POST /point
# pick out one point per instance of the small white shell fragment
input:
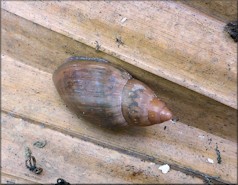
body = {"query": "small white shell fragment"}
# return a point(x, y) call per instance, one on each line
point(174, 120)
point(210, 160)
point(123, 20)
point(164, 168)
point(201, 136)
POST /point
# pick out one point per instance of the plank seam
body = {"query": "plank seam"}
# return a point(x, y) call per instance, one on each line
point(189, 83)
point(136, 154)
point(13, 176)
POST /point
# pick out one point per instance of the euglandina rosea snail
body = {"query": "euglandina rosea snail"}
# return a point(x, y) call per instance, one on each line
point(105, 94)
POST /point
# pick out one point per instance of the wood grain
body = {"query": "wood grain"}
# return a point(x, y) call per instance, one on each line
point(181, 52)
point(21, 41)
point(219, 9)
point(39, 102)
point(176, 43)
point(75, 160)
point(13, 179)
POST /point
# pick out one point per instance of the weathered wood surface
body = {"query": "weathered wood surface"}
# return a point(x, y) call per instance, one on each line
point(32, 109)
point(166, 38)
point(75, 160)
point(219, 9)
point(34, 98)
point(21, 41)
point(13, 179)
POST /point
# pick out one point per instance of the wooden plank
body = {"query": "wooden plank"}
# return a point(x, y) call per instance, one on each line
point(12, 179)
point(223, 10)
point(21, 41)
point(33, 97)
point(75, 160)
point(176, 43)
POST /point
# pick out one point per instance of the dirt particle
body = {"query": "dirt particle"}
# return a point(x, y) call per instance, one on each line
point(42, 125)
point(135, 173)
point(98, 46)
point(209, 140)
point(209, 160)
point(164, 168)
point(27, 152)
point(10, 182)
point(214, 60)
point(232, 29)
point(62, 182)
point(218, 155)
point(123, 20)
point(229, 67)
point(40, 144)
point(119, 41)
point(174, 120)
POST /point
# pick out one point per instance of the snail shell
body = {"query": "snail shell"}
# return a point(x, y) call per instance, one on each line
point(105, 94)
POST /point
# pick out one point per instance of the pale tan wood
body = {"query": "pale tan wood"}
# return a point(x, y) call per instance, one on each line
point(21, 41)
point(75, 160)
point(223, 10)
point(29, 93)
point(166, 38)
point(34, 98)
point(12, 179)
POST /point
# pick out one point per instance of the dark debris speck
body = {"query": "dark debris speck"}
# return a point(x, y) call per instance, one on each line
point(232, 29)
point(218, 155)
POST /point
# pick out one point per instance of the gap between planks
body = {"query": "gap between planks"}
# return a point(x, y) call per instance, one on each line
point(7, 178)
point(187, 47)
point(21, 41)
point(75, 160)
point(45, 107)
point(141, 156)
point(225, 11)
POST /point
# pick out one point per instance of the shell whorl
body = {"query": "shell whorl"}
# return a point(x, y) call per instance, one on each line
point(101, 92)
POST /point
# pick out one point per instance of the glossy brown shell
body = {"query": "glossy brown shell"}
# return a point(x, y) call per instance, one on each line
point(103, 93)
